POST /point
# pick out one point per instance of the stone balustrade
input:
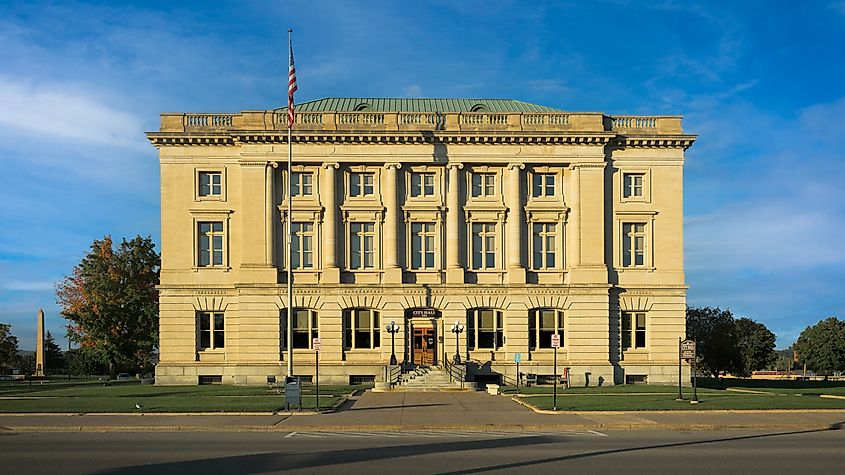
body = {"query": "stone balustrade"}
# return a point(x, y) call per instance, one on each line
point(422, 121)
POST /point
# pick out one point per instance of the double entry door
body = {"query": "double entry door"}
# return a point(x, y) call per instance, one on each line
point(425, 343)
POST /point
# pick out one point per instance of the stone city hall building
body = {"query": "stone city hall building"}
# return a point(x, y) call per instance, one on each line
point(519, 221)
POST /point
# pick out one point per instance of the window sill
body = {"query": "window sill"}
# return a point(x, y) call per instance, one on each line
point(212, 198)
point(210, 268)
point(636, 269)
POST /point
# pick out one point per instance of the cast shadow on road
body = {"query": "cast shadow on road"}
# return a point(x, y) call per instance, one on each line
point(277, 461)
point(598, 453)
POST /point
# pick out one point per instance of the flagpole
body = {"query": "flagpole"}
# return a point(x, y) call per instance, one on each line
point(289, 220)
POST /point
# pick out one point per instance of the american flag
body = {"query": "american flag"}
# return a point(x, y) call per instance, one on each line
point(291, 88)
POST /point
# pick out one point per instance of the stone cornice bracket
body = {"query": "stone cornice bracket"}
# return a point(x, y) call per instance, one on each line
point(684, 141)
point(455, 164)
point(392, 165)
point(520, 166)
point(331, 165)
point(587, 165)
point(252, 163)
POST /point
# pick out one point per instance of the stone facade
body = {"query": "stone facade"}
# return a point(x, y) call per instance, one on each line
point(518, 222)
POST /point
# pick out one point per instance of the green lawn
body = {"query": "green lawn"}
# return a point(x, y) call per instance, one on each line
point(711, 394)
point(122, 397)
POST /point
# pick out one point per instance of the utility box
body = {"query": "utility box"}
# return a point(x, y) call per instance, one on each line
point(293, 392)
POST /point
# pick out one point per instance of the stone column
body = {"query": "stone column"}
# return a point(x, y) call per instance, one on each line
point(513, 198)
point(391, 235)
point(454, 270)
point(328, 194)
point(270, 214)
point(573, 199)
point(40, 355)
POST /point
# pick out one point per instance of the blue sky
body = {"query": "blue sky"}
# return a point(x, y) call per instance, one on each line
point(761, 83)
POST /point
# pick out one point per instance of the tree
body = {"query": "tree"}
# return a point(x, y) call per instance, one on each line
point(112, 301)
point(717, 344)
point(85, 360)
point(822, 346)
point(756, 346)
point(53, 354)
point(8, 348)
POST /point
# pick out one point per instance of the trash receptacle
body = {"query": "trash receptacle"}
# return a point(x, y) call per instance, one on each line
point(293, 392)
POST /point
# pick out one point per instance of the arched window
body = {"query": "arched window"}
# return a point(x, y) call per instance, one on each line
point(361, 329)
point(485, 329)
point(542, 324)
point(305, 328)
point(478, 108)
point(363, 107)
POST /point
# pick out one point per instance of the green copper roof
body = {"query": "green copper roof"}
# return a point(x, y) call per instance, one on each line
point(351, 104)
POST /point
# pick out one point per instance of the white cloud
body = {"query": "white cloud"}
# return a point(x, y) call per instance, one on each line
point(414, 90)
point(65, 112)
point(28, 286)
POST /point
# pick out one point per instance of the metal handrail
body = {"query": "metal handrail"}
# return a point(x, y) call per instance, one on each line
point(393, 373)
point(456, 372)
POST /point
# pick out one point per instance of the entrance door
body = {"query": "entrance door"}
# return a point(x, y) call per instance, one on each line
point(424, 342)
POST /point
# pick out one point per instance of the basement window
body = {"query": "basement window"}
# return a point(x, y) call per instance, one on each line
point(210, 379)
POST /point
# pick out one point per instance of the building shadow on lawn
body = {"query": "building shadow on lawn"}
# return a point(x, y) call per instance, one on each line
point(277, 461)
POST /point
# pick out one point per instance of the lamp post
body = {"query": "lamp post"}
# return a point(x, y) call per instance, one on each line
point(393, 329)
point(457, 329)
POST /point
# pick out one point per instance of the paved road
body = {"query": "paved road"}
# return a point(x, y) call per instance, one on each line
point(462, 452)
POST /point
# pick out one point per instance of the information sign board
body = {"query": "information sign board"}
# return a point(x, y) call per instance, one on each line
point(316, 344)
point(688, 349)
point(555, 341)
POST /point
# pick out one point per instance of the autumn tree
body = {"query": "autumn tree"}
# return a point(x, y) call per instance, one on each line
point(111, 300)
point(822, 346)
point(717, 341)
point(8, 349)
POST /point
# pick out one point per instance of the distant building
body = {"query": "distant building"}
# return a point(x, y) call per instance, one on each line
point(517, 220)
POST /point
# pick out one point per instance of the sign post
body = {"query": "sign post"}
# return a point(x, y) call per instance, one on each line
point(318, 345)
point(517, 358)
point(680, 372)
point(555, 345)
point(688, 353)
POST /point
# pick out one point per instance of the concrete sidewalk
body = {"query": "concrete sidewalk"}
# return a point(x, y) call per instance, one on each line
point(444, 410)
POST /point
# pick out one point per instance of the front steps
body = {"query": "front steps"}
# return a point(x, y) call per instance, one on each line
point(428, 379)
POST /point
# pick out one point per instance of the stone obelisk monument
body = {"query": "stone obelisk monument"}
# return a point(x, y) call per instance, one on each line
point(39, 345)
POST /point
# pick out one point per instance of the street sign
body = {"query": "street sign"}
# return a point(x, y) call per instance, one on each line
point(688, 349)
point(316, 344)
point(517, 358)
point(555, 341)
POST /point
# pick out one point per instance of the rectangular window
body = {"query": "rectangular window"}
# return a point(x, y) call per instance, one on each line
point(633, 185)
point(361, 184)
point(302, 245)
point(544, 243)
point(211, 183)
point(483, 184)
point(422, 184)
point(304, 328)
point(633, 245)
point(361, 329)
point(485, 329)
point(210, 245)
point(542, 324)
point(633, 330)
point(422, 245)
point(483, 245)
point(211, 332)
point(543, 185)
point(361, 245)
point(301, 184)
